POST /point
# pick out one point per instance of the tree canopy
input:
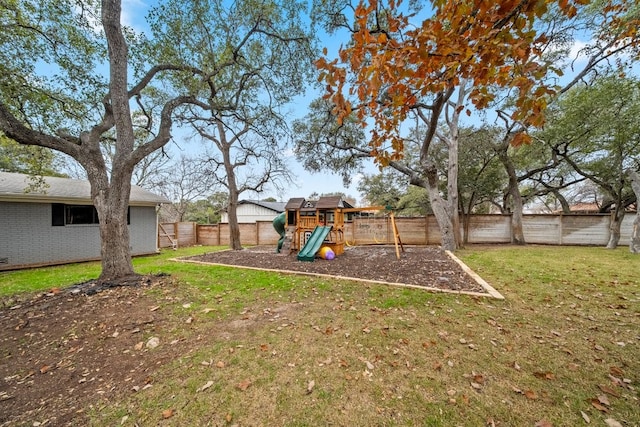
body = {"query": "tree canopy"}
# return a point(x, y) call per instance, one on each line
point(391, 66)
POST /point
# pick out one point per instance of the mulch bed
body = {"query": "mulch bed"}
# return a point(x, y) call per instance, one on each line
point(418, 266)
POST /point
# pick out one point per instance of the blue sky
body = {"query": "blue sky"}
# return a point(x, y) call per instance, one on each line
point(133, 15)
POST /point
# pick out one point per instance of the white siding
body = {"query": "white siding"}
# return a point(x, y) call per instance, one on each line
point(250, 213)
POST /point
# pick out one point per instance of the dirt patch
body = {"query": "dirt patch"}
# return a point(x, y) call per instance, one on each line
point(428, 267)
point(64, 350)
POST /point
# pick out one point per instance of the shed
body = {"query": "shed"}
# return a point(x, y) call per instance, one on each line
point(59, 224)
point(251, 211)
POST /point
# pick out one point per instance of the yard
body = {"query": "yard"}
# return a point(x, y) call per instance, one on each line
point(198, 344)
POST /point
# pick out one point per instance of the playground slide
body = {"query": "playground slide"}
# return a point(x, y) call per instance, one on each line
point(308, 252)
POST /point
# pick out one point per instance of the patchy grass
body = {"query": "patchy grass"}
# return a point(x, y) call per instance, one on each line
point(293, 351)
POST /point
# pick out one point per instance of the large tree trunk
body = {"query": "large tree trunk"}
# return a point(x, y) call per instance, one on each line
point(614, 227)
point(452, 187)
point(440, 211)
point(234, 228)
point(234, 193)
point(634, 242)
point(112, 202)
point(114, 245)
point(617, 215)
point(111, 197)
point(517, 230)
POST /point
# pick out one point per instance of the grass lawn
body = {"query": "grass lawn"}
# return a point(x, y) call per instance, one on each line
point(562, 349)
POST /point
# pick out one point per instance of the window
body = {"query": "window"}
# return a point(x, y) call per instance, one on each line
point(62, 215)
point(82, 214)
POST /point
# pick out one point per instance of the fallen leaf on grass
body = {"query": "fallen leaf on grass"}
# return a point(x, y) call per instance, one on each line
point(610, 422)
point(310, 386)
point(543, 423)
point(206, 386)
point(545, 375)
point(45, 369)
point(609, 390)
point(615, 371)
point(616, 381)
point(604, 400)
point(167, 413)
point(531, 394)
point(243, 385)
point(585, 417)
point(599, 406)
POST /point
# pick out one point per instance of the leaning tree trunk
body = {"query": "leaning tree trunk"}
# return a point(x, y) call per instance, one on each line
point(517, 229)
point(614, 226)
point(634, 243)
point(440, 211)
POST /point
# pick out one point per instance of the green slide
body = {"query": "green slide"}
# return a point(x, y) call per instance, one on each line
point(308, 252)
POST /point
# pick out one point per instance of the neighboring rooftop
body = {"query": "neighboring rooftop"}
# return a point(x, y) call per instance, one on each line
point(274, 206)
point(15, 187)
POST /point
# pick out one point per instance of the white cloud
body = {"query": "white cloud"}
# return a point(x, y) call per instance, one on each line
point(133, 14)
point(576, 52)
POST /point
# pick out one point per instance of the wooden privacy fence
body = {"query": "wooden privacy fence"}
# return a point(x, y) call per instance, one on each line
point(574, 229)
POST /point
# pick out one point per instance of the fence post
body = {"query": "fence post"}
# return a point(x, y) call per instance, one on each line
point(560, 228)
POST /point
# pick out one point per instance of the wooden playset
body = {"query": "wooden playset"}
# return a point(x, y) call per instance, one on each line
point(313, 224)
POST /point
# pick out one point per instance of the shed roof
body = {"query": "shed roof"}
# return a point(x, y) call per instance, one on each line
point(13, 187)
point(294, 203)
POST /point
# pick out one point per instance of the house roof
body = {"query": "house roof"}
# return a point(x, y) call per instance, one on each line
point(14, 187)
point(274, 206)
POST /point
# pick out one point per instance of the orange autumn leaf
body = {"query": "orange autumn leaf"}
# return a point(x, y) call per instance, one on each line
point(496, 45)
point(244, 385)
